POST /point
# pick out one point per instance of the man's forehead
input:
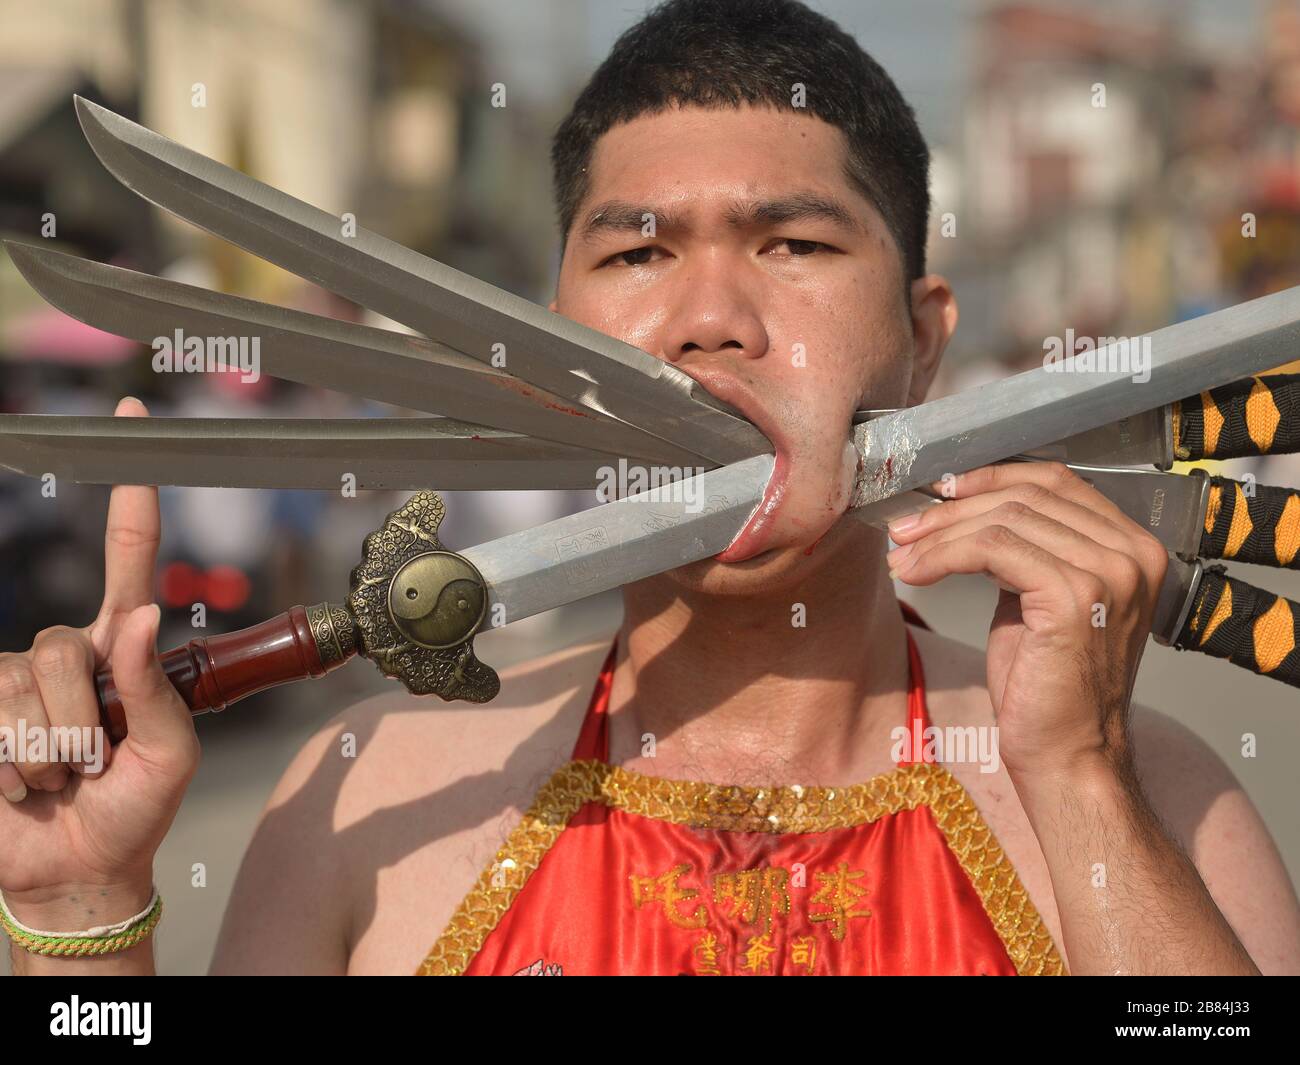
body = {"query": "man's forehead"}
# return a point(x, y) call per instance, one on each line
point(691, 166)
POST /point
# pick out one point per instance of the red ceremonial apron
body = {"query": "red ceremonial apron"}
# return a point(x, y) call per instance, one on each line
point(613, 872)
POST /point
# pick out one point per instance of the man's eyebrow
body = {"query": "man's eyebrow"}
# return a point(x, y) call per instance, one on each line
point(798, 207)
point(620, 216)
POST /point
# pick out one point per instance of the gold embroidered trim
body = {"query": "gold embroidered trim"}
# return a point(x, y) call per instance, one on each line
point(751, 809)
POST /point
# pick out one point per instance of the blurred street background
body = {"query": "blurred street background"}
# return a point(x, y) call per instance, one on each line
point(1179, 196)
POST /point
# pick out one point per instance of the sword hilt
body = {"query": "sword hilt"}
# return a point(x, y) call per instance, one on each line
point(413, 610)
point(212, 672)
point(1253, 416)
point(1248, 626)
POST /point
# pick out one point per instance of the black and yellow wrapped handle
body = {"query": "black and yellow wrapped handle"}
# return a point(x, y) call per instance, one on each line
point(1248, 522)
point(1253, 416)
point(1248, 626)
point(1244, 522)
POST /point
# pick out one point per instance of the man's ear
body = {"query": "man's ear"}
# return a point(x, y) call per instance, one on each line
point(934, 320)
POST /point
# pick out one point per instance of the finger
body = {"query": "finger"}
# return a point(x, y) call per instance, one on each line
point(12, 786)
point(1054, 476)
point(11, 783)
point(131, 539)
point(22, 716)
point(63, 662)
point(1015, 564)
point(158, 722)
point(1095, 572)
point(1056, 489)
point(1035, 496)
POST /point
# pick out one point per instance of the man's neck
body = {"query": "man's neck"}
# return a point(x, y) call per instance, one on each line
point(734, 690)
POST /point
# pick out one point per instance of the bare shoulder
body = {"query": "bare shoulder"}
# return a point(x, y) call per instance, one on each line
point(382, 821)
point(955, 678)
point(408, 746)
point(1196, 796)
point(1207, 811)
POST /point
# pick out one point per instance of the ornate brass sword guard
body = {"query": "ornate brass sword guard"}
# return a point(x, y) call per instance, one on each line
point(413, 610)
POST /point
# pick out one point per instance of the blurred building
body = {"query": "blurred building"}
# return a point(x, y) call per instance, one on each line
point(1109, 171)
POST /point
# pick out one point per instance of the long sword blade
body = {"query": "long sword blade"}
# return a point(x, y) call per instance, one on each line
point(407, 371)
point(920, 445)
point(617, 543)
point(365, 453)
point(1142, 440)
point(545, 349)
point(634, 538)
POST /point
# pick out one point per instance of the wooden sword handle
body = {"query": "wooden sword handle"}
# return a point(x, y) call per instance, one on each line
point(212, 672)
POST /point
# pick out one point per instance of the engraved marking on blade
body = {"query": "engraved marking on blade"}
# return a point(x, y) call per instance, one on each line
point(1157, 508)
point(660, 521)
point(588, 541)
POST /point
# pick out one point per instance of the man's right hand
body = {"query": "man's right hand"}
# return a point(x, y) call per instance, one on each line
point(76, 845)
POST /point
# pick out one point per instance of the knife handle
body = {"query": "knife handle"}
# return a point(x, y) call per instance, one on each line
point(1249, 522)
point(212, 672)
point(1253, 416)
point(1248, 626)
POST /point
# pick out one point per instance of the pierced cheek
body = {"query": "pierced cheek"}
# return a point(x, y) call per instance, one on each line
point(804, 498)
point(848, 473)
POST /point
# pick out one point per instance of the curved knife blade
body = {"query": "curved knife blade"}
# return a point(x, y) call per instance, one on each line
point(407, 371)
point(573, 361)
point(400, 453)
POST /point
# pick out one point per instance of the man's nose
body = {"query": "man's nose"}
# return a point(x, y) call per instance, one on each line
point(714, 311)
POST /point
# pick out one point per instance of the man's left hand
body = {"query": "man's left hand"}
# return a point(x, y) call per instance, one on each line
point(1079, 582)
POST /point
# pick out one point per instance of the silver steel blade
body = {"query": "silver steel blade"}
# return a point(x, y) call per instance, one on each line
point(478, 319)
point(401, 453)
point(605, 547)
point(1174, 603)
point(1145, 439)
point(919, 445)
point(617, 543)
point(407, 371)
point(1171, 506)
point(637, 537)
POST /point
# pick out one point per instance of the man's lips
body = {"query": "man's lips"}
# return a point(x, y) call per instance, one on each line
point(758, 532)
point(761, 528)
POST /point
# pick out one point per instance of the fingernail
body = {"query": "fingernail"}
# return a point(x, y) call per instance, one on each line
point(18, 794)
point(904, 523)
point(898, 558)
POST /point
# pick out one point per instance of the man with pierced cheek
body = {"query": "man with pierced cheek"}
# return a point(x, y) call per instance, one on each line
point(734, 782)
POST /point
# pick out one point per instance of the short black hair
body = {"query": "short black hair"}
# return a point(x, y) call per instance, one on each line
point(727, 53)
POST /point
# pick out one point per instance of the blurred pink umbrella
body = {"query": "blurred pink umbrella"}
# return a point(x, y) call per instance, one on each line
point(46, 335)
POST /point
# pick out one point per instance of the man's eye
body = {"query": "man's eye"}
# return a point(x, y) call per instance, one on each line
point(801, 247)
point(634, 257)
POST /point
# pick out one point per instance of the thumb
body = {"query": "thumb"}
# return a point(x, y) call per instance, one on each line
point(157, 720)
